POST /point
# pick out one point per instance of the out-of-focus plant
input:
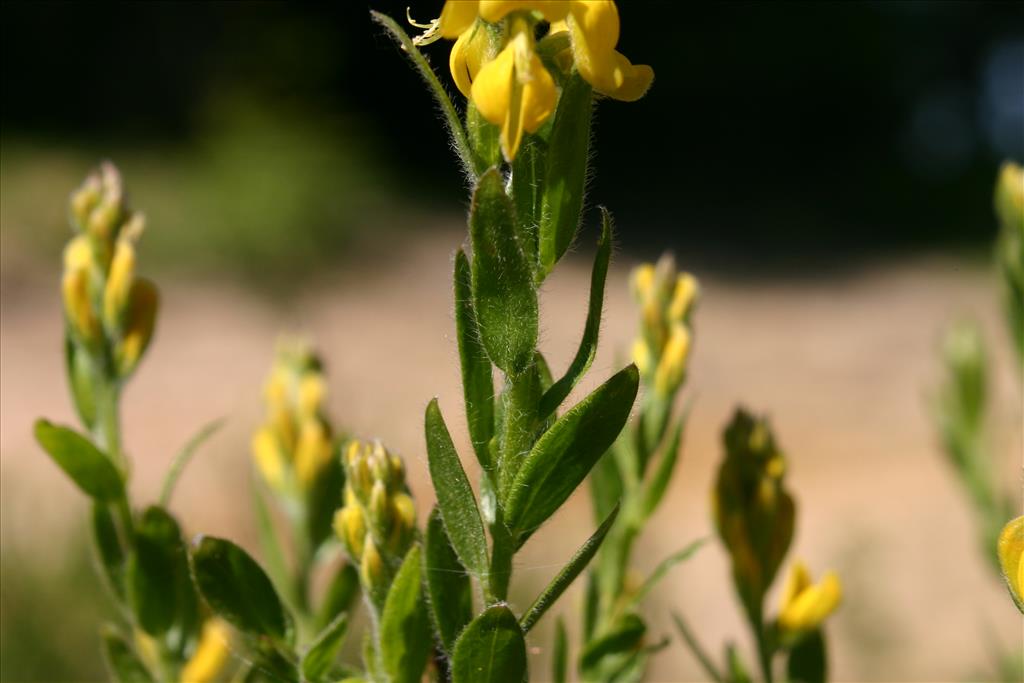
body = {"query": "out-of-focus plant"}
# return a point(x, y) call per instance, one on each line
point(755, 516)
point(635, 475)
point(961, 407)
point(161, 632)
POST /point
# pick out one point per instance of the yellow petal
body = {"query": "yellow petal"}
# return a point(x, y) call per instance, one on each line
point(812, 605)
point(683, 296)
point(456, 17)
point(796, 583)
point(140, 321)
point(672, 365)
point(211, 653)
point(1011, 558)
point(269, 460)
point(467, 57)
point(312, 452)
point(492, 89)
point(119, 281)
point(634, 79)
point(599, 22)
point(495, 10)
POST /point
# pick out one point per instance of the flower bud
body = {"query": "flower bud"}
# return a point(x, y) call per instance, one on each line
point(1010, 550)
point(403, 523)
point(372, 571)
point(211, 653)
point(672, 366)
point(642, 356)
point(105, 218)
point(1009, 197)
point(350, 526)
point(312, 391)
point(75, 289)
point(805, 605)
point(683, 297)
point(84, 200)
point(140, 320)
point(266, 451)
point(312, 452)
point(119, 283)
point(380, 510)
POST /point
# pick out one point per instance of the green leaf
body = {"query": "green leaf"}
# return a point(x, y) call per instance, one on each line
point(738, 672)
point(109, 551)
point(807, 661)
point(663, 568)
point(152, 567)
point(560, 653)
point(273, 554)
point(527, 183)
point(568, 574)
point(588, 344)
point(184, 456)
point(122, 662)
point(81, 375)
point(477, 383)
point(606, 482)
point(697, 649)
point(626, 635)
point(491, 649)
point(662, 475)
point(454, 494)
point(235, 588)
point(405, 641)
point(484, 138)
point(87, 466)
point(448, 585)
point(323, 651)
point(341, 594)
point(504, 297)
point(564, 455)
point(565, 179)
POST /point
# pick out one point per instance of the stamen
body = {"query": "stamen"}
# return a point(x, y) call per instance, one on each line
point(430, 33)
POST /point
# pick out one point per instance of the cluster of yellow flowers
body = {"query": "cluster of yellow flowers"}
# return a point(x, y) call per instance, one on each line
point(377, 523)
point(498, 63)
point(666, 299)
point(107, 306)
point(296, 442)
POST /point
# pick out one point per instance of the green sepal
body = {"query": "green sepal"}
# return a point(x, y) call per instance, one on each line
point(626, 635)
point(560, 653)
point(807, 661)
point(81, 374)
point(565, 454)
point(491, 649)
point(323, 498)
point(566, 174)
point(449, 589)
point(152, 571)
point(568, 574)
point(527, 184)
point(340, 596)
point(477, 382)
point(319, 658)
point(109, 550)
point(504, 297)
point(656, 486)
point(554, 396)
point(405, 639)
point(237, 589)
point(88, 467)
point(455, 498)
point(122, 662)
point(484, 138)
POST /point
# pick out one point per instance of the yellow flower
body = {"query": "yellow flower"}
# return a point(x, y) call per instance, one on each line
point(514, 91)
point(1011, 559)
point(119, 282)
point(269, 460)
point(805, 605)
point(140, 319)
point(457, 17)
point(312, 452)
point(211, 653)
point(468, 56)
point(672, 365)
point(494, 11)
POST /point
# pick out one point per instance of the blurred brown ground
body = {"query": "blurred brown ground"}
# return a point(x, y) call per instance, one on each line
point(843, 364)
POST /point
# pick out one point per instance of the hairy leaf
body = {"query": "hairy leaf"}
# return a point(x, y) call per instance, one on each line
point(477, 383)
point(405, 641)
point(448, 585)
point(491, 649)
point(87, 466)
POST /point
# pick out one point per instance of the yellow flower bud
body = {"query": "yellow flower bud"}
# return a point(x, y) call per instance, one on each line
point(266, 451)
point(84, 200)
point(371, 567)
point(312, 452)
point(140, 320)
point(350, 527)
point(1011, 559)
point(380, 509)
point(119, 283)
point(642, 356)
point(642, 282)
point(805, 605)
point(211, 653)
point(312, 391)
point(403, 523)
point(1010, 195)
point(672, 364)
point(75, 288)
point(683, 296)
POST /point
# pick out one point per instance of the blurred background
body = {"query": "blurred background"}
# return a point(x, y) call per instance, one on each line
point(825, 169)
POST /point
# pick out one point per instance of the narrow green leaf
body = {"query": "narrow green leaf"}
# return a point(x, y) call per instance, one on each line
point(663, 568)
point(591, 329)
point(697, 649)
point(448, 585)
point(477, 383)
point(454, 494)
point(662, 475)
point(560, 653)
point(504, 296)
point(564, 455)
point(109, 550)
point(627, 635)
point(122, 662)
point(273, 554)
point(184, 456)
point(565, 178)
point(451, 115)
point(568, 574)
point(606, 482)
point(527, 185)
point(591, 606)
point(81, 374)
point(152, 585)
point(738, 671)
point(491, 649)
point(235, 587)
point(807, 661)
point(323, 651)
point(341, 595)
point(87, 466)
point(405, 640)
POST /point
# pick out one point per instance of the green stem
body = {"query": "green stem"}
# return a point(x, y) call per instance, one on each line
point(764, 651)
